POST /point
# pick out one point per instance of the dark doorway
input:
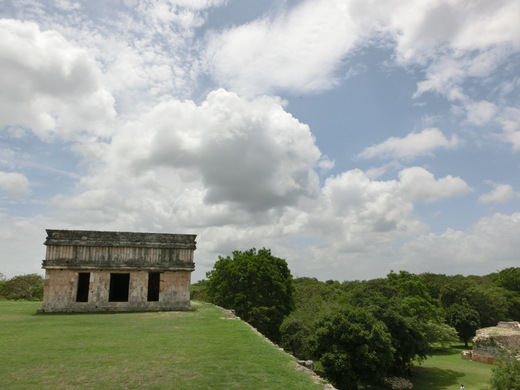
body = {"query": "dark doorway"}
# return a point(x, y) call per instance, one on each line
point(119, 284)
point(154, 282)
point(83, 284)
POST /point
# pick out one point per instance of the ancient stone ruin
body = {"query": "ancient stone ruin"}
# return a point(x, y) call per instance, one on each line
point(100, 271)
point(489, 342)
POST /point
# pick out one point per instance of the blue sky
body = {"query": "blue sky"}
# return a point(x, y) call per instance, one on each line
point(351, 137)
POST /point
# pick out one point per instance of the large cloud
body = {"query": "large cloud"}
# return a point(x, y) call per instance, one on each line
point(48, 84)
point(228, 151)
point(489, 245)
point(357, 213)
point(453, 44)
point(298, 50)
point(306, 45)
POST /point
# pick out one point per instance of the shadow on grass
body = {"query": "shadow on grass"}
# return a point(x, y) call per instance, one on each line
point(435, 378)
point(431, 378)
point(452, 350)
point(461, 347)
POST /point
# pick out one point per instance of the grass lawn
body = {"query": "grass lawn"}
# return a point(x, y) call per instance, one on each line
point(447, 371)
point(203, 349)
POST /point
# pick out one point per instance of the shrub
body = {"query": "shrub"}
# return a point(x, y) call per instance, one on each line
point(506, 374)
point(397, 383)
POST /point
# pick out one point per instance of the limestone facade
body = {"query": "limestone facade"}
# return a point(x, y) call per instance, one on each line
point(96, 271)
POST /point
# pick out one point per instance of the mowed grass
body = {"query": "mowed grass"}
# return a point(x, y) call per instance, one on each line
point(202, 349)
point(447, 371)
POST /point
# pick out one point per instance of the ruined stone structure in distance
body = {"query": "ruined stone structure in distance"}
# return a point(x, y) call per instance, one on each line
point(96, 271)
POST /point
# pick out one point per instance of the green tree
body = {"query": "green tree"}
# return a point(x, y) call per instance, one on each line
point(434, 283)
point(454, 290)
point(509, 278)
point(414, 299)
point(465, 320)
point(199, 291)
point(296, 334)
point(312, 298)
point(353, 347)
point(409, 341)
point(490, 302)
point(23, 287)
point(2, 282)
point(257, 285)
point(439, 335)
point(506, 374)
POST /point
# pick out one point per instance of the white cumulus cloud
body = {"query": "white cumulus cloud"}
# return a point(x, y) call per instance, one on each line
point(220, 159)
point(14, 184)
point(510, 121)
point(298, 50)
point(48, 84)
point(502, 193)
point(413, 145)
point(489, 245)
point(418, 185)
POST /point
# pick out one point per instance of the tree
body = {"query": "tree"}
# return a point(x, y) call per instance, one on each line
point(312, 298)
point(296, 333)
point(465, 320)
point(490, 302)
point(439, 335)
point(2, 282)
point(506, 374)
point(257, 285)
point(415, 301)
point(509, 278)
point(23, 287)
point(199, 291)
point(353, 346)
point(409, 341)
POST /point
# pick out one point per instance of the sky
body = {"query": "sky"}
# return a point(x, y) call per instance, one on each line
point(350, 137)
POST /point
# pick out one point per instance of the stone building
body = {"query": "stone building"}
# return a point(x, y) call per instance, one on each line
point(490, 342)
point(95, 271)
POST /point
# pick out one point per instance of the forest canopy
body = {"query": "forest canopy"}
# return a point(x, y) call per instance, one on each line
point(388, 323)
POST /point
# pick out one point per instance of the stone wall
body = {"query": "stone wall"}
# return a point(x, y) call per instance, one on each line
point(61, 287)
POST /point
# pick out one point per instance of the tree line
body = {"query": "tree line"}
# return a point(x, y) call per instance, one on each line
point(21, 287)
point(359, 331)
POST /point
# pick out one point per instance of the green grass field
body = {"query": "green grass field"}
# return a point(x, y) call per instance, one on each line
point(447, 371)
point(203, 349)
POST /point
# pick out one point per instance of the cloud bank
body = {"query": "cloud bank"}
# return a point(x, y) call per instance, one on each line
point(172, 123)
